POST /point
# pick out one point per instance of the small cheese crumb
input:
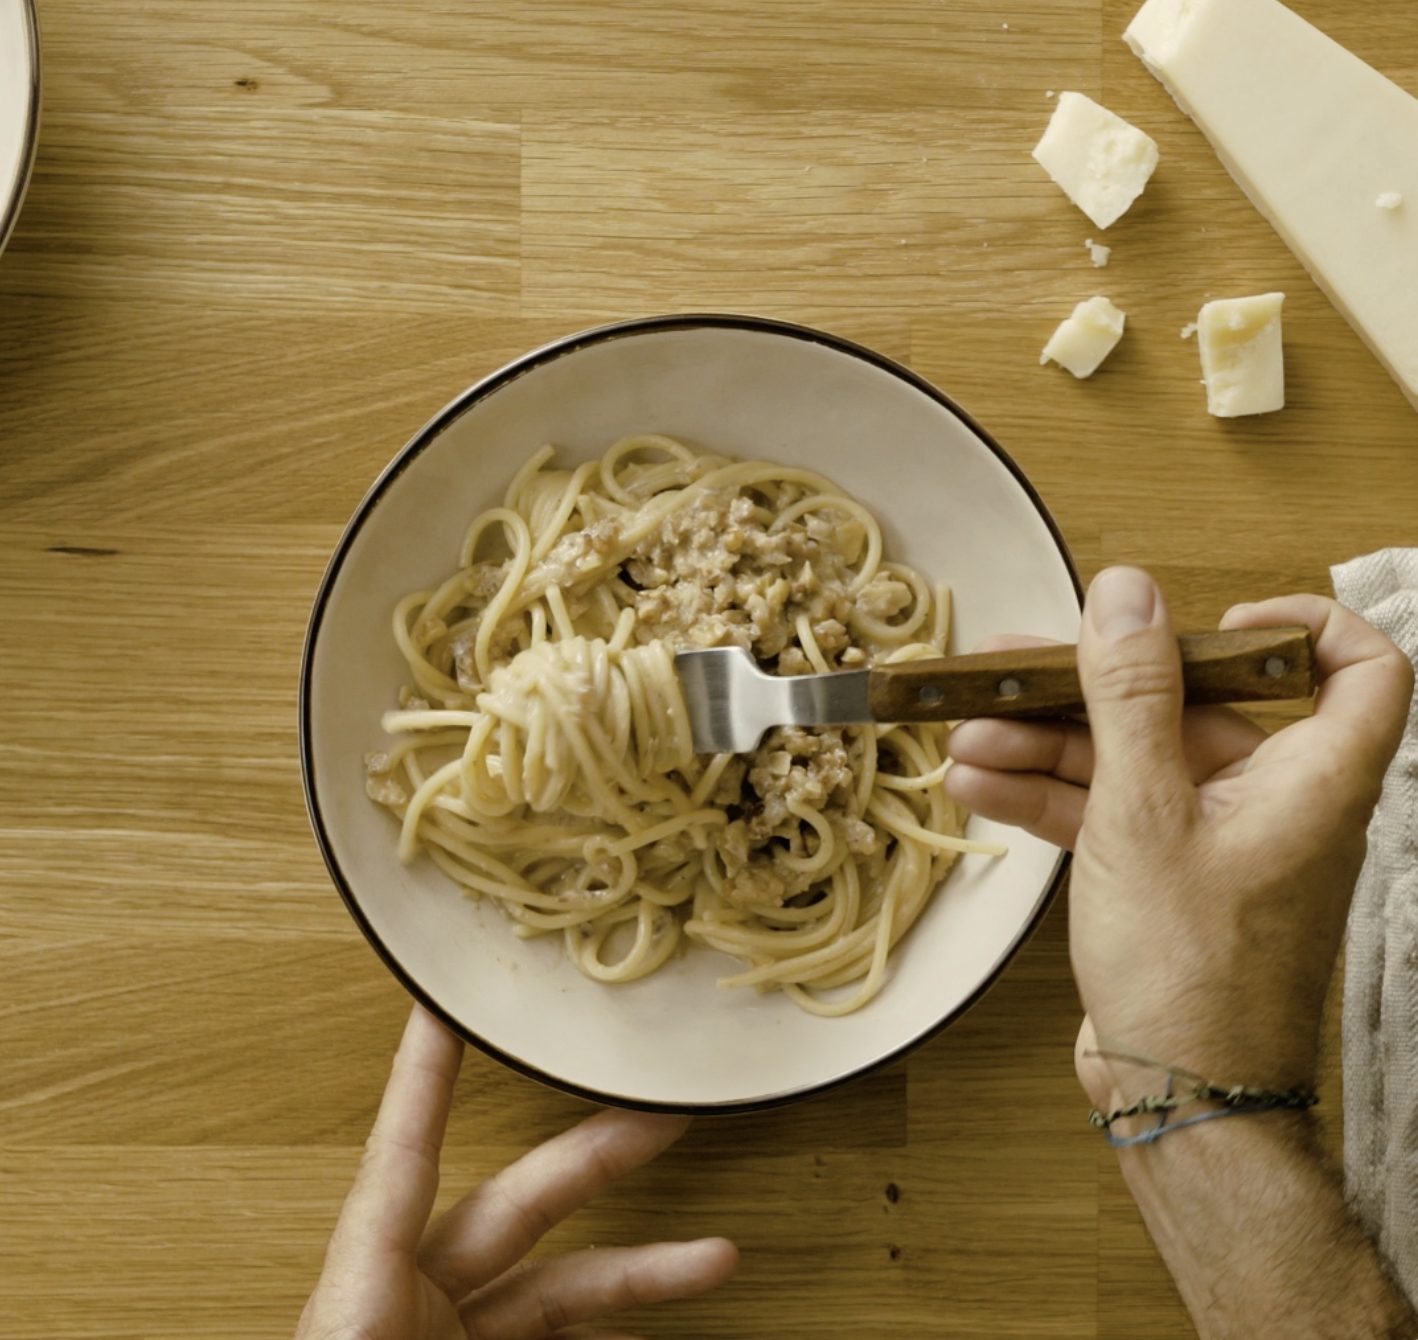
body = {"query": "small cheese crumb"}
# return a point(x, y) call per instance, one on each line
point(1242, 358)
point(1189, 330)
point(1086, 338)
point(1098, 253)
point(1048, 93)
point(1389, 200)
point(1100, 161)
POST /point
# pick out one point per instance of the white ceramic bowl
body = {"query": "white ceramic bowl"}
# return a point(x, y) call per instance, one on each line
point(19, 106)
point(951, 503)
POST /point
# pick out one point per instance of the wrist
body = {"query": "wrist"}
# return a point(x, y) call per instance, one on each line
point(1287, 1133)
point(1211, 1160)
point(1251, 1220)
point(1139, 1100)
point(1190, 1183)
point(1117, 1073)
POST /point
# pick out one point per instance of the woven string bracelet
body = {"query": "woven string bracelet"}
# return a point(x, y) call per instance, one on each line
point(1237, 1100)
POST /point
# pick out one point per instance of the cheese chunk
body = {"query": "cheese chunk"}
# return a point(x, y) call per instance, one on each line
point(1313, 136)
point(1101, 162)
point(1098, 253)
point(1242, 361)
point(1086, 338)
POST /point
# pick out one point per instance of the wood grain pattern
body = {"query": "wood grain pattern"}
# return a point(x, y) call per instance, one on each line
point(264, 242)
point(139, 204)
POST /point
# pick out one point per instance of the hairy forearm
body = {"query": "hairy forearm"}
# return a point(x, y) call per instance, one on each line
point(1252, 1223)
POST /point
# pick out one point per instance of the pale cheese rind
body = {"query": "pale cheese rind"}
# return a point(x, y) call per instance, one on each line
point(1313, 135)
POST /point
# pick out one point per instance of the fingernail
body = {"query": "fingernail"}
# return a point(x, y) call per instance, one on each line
point(1121, 601)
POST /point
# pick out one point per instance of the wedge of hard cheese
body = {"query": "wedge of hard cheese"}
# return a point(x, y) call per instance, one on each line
point(1316, 138)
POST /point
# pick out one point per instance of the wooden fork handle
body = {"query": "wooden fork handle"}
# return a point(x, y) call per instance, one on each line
point(1247, 666)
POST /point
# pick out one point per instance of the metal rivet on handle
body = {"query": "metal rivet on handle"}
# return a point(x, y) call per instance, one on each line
point(1275, 666)
point(1010, 687)
point(929, 695)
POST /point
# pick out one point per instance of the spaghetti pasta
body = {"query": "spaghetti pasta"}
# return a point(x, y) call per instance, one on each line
point(543, 756)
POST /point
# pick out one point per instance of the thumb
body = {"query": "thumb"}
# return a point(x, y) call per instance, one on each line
point(1131, 673)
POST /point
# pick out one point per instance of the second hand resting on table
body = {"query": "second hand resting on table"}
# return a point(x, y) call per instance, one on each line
point(1214, 867)
point(391, 1275)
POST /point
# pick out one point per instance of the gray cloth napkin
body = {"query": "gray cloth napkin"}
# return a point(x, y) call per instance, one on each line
point(1381, 964)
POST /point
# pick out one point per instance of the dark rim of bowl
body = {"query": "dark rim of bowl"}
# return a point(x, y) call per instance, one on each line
point(479, 391)
point(27, 156)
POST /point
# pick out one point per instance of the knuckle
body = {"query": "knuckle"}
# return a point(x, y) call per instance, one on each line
point(604, 1167)
point(550, 1307)
point(1121, 679)
point(633, 1290)
point(371, 1161)
point(530, 1218)
point(381, 1145)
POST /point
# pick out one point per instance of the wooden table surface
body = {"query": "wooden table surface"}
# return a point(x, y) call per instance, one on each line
point(263, 243)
